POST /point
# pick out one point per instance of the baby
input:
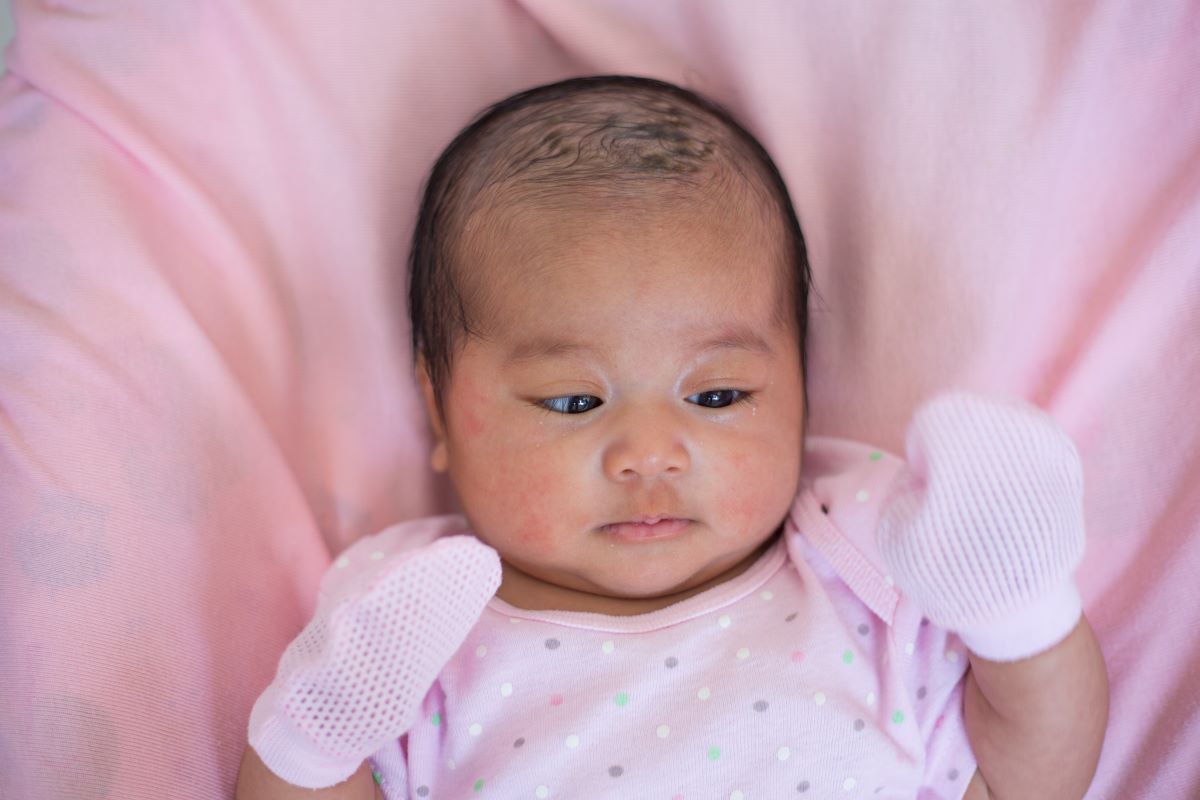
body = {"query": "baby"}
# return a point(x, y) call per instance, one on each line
point(658, 588)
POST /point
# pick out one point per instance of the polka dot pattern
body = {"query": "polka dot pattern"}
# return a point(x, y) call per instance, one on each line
point(602, 711)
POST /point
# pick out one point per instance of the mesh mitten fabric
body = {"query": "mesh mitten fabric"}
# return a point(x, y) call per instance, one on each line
point(355, 676)
point(984, 527)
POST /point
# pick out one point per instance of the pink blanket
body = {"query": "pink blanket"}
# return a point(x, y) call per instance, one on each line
point(204, 380)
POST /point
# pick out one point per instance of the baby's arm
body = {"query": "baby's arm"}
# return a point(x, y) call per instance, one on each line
point(983, 529)
point(257, 782)
point(1036, 725)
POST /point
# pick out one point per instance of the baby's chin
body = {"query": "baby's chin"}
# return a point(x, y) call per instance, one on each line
point(623, 592)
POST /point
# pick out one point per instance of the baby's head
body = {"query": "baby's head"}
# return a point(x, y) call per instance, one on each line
point(609, 296)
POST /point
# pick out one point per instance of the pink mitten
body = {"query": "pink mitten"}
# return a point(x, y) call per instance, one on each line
point(984, 526)
point(355, 677)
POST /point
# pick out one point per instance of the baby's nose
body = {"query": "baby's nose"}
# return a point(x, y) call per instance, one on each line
point(647, 445)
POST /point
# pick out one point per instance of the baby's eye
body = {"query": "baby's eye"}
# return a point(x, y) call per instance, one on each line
point(717, 398)
point(571, 403)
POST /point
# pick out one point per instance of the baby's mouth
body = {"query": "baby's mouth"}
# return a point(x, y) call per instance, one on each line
point(647, 528)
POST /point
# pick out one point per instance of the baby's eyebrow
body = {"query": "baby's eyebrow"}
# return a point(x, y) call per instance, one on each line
point(547, 346)
point(736, 337)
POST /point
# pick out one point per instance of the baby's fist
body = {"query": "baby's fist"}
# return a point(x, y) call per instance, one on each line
point(355, 677)
point(984, 526)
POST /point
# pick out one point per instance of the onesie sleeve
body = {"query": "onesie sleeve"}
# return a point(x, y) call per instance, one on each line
point(837, 513)
point(390, 764)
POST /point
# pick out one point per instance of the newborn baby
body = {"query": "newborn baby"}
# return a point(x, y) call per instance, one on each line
point(657, 587)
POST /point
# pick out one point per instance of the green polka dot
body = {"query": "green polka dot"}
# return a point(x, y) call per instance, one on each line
point(876, 455)
point(621, 699)
point(479, 785)
point(897, 716)
point(714, 753)
point(378, 778)
point(847, 657)
point(436, 719)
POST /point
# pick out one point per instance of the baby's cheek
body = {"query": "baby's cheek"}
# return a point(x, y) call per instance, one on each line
point(536, 492)
point(748, 492)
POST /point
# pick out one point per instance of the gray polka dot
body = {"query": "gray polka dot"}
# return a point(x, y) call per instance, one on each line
point(952, 775)
point(859, 724)
point(924, 622)
point(863, 630)
point(790, 617)
point(760, 705)
point(552, 644)
point(519, 742)
point(615, 771)
point(672, 662)
point(921, 693)
point(422, 791)
point(803, 786)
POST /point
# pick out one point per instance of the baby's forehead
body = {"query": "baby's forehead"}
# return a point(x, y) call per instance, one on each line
point(595, 264)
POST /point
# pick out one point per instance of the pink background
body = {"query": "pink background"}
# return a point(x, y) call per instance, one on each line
point(204, 382)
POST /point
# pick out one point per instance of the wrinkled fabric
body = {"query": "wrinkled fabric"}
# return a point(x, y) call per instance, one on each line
point(205, 387)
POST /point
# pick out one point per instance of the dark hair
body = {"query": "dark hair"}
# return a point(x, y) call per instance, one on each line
point(613, 133)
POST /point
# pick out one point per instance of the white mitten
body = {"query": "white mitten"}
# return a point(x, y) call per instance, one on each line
point(984, 526)
point(355, 677)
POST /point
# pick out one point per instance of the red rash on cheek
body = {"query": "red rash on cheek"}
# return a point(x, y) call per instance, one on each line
point(472, 420)
point(536, 490)
point(744, 491)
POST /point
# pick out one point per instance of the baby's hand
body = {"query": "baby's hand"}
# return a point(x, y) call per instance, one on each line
point(355, 677)
point(984, 526)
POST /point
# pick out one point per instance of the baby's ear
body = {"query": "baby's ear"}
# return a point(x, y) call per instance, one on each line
point(439, 456)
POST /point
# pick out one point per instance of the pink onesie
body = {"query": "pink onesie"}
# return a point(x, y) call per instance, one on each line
point(809, 675)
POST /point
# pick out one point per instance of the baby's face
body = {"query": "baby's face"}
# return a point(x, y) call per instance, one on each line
point(627, 431)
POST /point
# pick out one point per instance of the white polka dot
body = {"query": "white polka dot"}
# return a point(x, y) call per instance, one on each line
point(541, 792)
point(663, 731)
point(475, 729)
point(608, 646)
point(724, 621)
point(909, 648)
point(767, 595)
point(870, 698)
point(704, 693)
point(849, 784)
point(783, 753)
point(481, 651)
point(514, 620)
point(342, 562)
point(377, 556)
point(572, 741)
point(743, 653)
point(889, 580)
point(506, 690)
point(952, 656)
point(862, 495)
point(819, 698)
point(736, 794)
point(451, 763)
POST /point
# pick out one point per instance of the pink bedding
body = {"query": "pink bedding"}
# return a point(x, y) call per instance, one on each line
point(204, 379)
